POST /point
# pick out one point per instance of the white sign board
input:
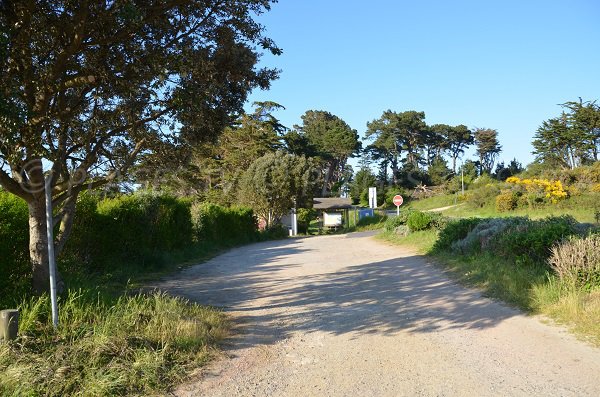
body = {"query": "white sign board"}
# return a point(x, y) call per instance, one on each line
point(372, 197)
point(332, 219)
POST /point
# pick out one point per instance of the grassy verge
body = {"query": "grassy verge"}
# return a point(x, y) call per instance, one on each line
point(132, 345)
point(581, 214)
point(531, 288)
point(422, 240)
point(429, 203)
point(111, 341)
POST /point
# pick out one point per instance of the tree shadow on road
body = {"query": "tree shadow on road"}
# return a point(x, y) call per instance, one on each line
point(405, 294)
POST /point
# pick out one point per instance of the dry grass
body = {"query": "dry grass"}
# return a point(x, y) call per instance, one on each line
point(579, 310)
point(134, 345)
point(577, 261)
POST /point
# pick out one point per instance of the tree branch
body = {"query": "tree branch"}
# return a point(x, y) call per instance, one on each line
point(13, 187)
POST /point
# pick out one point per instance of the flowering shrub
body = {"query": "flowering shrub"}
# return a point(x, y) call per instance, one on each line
point(506, 201)
point(550, 190)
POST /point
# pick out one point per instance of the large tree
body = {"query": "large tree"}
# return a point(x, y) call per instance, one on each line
point(275, 182)
point(212, 169)
point(584, 118)
point(488, 148)
point(571, 139)
point(456, 140)
point(89, 85)
point(396, 134)
point(329, 139)
point(556, 143)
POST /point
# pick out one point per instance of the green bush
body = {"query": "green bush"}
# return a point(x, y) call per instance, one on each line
point(419, 221)
point(531, 242)
point(455, 231)
point(483, 196)
point(275, 232)
point(393, 222)
point(139, 227)
point(485, 234)
point(305, 216)
point(371, 220)
point(222, 225)
point(438, 221)
point(14, 248)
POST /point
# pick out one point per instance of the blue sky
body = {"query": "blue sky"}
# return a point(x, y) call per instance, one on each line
point(502, 64)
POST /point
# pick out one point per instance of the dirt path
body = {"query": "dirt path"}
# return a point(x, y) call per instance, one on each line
point(346, 315)
point(440, 209)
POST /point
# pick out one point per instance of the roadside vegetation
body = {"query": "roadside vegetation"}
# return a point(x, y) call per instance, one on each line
point(112, 339)
point(130, 345)
point(147, 163)
point(548, 265)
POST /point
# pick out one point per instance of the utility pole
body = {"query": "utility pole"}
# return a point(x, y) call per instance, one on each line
point(462, 178)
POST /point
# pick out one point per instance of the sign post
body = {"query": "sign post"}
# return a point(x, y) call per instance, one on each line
point(372, 197)
point(51, 259)
point(398, 200)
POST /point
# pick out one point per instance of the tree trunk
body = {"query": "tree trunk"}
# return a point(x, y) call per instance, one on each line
point(328, 177)
point(38, 246)
point(394, 167)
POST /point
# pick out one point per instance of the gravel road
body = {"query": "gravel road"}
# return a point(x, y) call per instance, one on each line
point(346, 315)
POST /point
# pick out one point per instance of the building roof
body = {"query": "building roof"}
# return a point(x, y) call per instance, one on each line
point(331, 203)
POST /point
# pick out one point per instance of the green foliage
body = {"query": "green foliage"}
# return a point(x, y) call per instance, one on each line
point(571, 139)
point(275, 232)
point(225, 226)
point(503, 172)
point(305, 216)
point(484, 195)
point(135, 80)
point(375, 220)
point(454, 231)
point(272, 183)
point(517, 239)
point(488, 148)
point(394, 221)
point(438, 171)
point(330, 141)
point(14, 256)
point(132, 345)
point(123, 235)
point(139, 227)
point(418, 220)
point(359, 187)
point(438, 221)
point(530, 243)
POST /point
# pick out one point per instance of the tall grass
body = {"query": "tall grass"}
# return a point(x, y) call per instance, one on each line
point(132, 345)
point(531, 287)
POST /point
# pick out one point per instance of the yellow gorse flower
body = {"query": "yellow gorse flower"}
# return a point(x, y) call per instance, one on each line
point(554, 189)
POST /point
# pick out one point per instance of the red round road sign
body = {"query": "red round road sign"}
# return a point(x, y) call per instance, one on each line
point(398, 200)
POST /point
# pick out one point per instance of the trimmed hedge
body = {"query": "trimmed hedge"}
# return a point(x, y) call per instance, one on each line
point(14, 245)
point(136, 230)
point(223, 225)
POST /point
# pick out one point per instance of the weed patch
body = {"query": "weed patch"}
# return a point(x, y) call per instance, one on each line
point(131, 345)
